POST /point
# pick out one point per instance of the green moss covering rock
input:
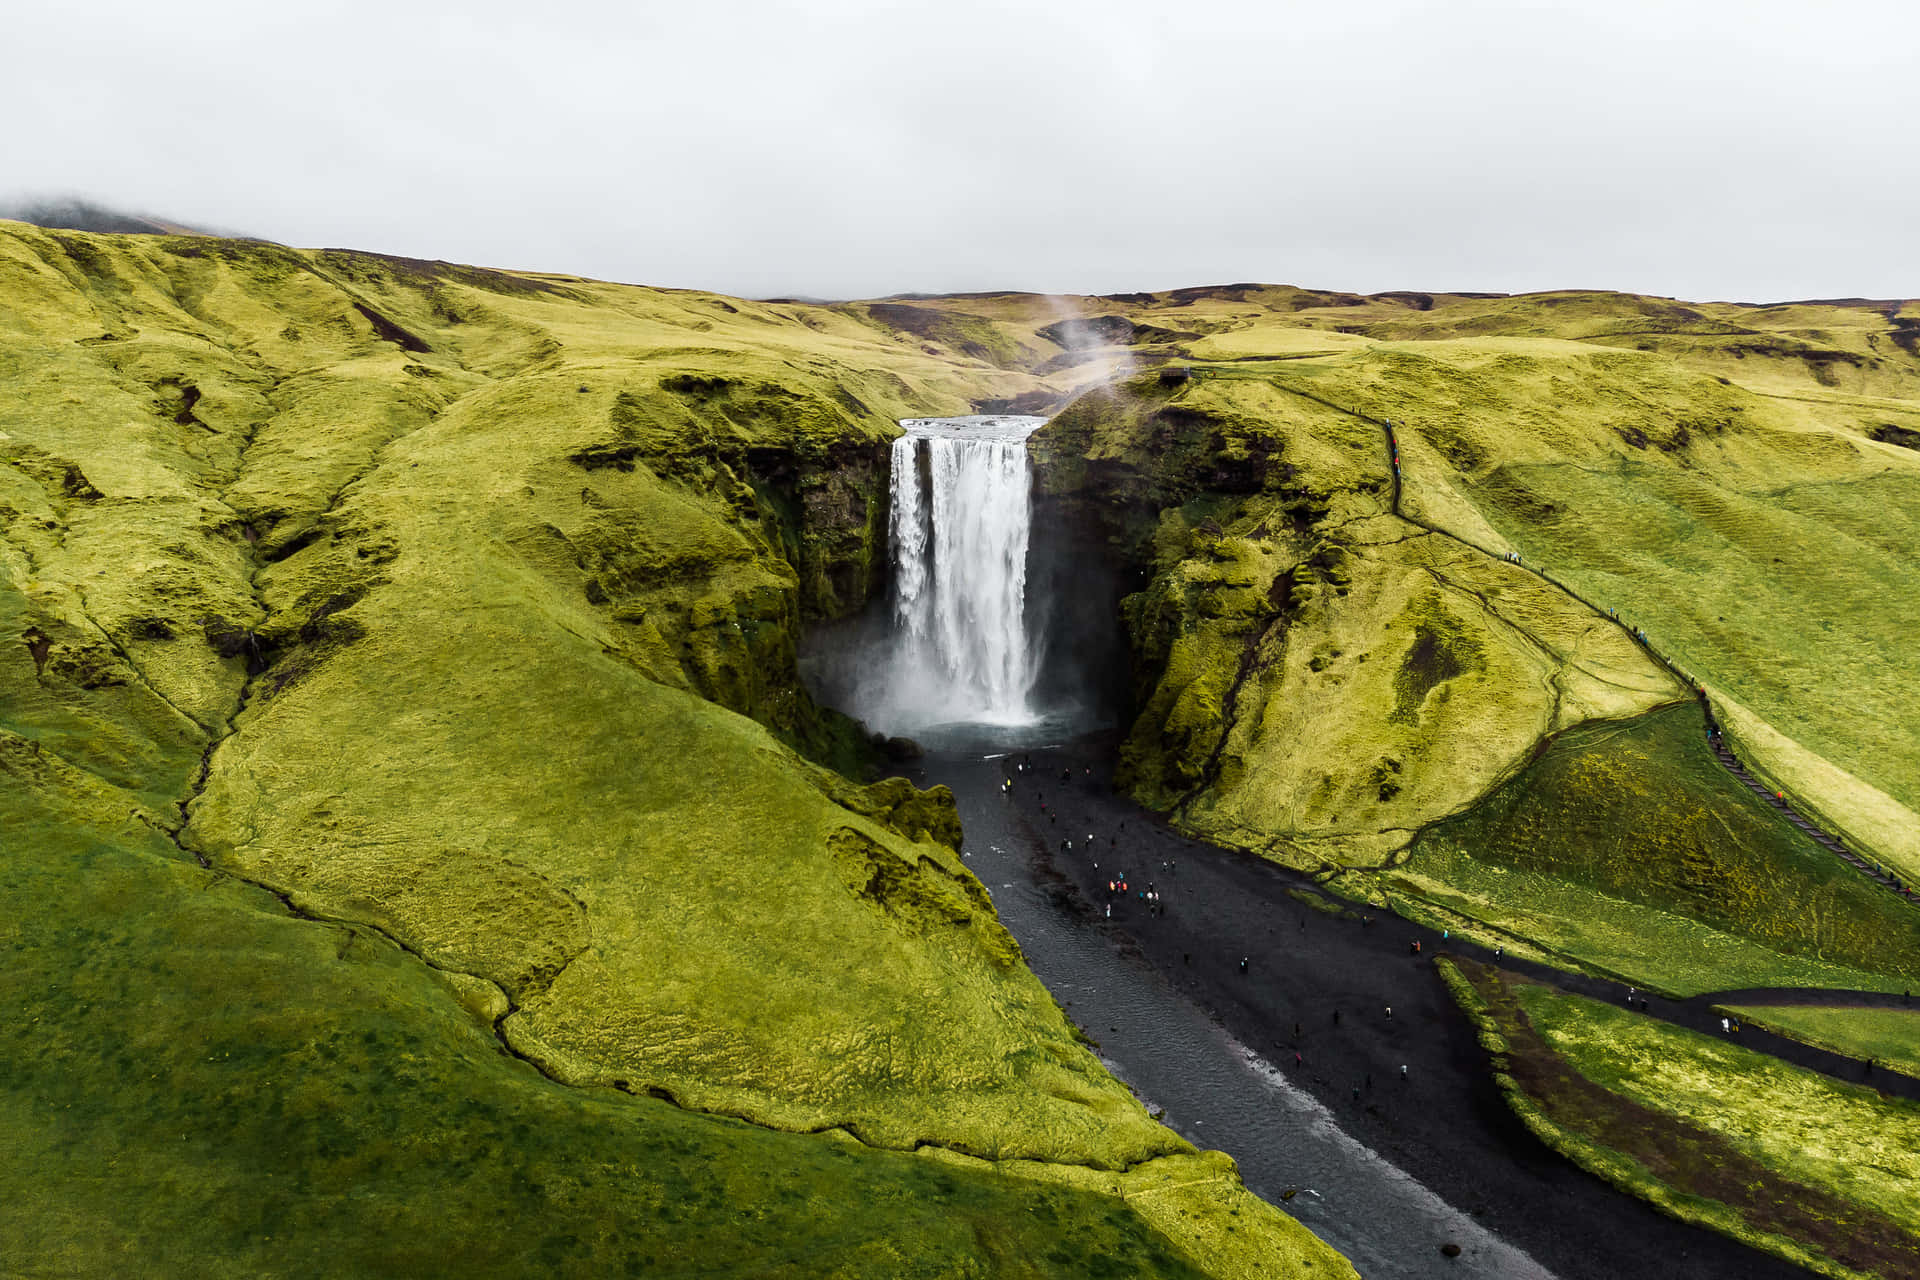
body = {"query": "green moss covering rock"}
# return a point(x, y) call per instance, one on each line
point(454, 612)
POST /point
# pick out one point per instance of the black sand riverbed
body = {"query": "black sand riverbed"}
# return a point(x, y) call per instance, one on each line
point(1314, 1001)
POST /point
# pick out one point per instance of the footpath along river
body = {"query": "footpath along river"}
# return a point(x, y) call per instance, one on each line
point(1387, 1170)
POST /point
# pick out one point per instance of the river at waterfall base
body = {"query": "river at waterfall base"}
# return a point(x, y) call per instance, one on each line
point(953, 663)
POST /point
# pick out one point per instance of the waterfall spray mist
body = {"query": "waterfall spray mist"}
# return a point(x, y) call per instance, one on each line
point(1097, 342)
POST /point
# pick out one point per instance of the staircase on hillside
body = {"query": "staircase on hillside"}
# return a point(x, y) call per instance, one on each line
point(1823, 838)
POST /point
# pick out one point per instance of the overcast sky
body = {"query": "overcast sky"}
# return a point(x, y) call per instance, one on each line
point(1743, 149)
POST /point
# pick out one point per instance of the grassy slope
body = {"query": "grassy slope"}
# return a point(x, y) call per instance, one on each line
point(1890, 1037)
point(1428, 669)
point(1733, 504)
point(199, 1084)
point(1806, 1167)
point(1626, 846)
point(468, 585)
point(1711, 472)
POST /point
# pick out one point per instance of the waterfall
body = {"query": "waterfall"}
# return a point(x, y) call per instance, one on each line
point(959, 524)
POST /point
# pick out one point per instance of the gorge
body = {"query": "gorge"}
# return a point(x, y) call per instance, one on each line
point(961, 514)
point(417, 819)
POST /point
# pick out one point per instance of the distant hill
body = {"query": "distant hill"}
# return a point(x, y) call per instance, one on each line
point(81, 215)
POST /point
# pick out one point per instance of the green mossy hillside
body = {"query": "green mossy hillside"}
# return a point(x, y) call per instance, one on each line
point(1366, 633)
point(1314, 676)
point(198, 1084)
point(458, 609)
point(1641, 813)
point(1726, 477)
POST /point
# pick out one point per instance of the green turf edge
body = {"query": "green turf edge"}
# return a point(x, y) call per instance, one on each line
point(1621, 1171)
point(1767, 1018)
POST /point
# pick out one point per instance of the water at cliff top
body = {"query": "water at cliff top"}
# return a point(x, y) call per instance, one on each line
point(958, 651)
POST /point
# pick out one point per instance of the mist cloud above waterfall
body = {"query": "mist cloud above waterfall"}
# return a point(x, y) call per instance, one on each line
point(1747, 149)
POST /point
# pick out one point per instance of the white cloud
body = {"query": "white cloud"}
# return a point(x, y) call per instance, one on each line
point(1704, 148)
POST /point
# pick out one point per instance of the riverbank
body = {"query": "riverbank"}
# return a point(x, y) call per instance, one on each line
point(1444, 1123)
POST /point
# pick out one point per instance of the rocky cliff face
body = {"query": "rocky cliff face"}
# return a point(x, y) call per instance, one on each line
point(800, 483)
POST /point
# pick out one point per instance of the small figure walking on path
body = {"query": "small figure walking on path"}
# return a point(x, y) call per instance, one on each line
point(1243, 964)
point(1389, 1013)
point(1403, 1071)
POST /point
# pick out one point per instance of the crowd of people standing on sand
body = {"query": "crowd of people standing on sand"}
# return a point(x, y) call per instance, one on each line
point(1120, 887)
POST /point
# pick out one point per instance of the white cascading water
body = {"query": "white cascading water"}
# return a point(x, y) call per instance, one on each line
point(959, 528)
